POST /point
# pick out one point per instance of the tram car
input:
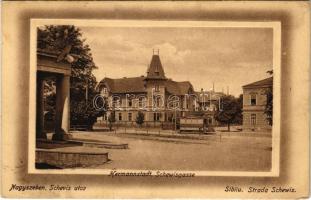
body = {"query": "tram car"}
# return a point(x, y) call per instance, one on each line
point(192, 124)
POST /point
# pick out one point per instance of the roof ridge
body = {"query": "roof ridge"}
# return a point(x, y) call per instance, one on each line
point(265, 81)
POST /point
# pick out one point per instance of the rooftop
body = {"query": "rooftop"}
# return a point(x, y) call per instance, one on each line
point(137, 85)
point(155, 69)
point(262, 83)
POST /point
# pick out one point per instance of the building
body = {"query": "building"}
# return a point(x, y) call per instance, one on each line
point(254, 103)
point(208, 102)
point(159, 98)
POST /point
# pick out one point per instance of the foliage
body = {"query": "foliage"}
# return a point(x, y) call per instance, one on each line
point(50, 98)
point(239, 117)
point(111, 119)
point(67, 39)
point(140, 118)
point(269, 105)
point(231, 110)
point(83, 113)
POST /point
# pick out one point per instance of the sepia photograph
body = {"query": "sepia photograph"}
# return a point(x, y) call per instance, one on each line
point(193, 97)
point(149, 99)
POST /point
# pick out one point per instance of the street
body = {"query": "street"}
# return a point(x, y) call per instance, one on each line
point(228, 153)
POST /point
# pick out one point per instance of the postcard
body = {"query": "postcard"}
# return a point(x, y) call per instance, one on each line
point(154, 102)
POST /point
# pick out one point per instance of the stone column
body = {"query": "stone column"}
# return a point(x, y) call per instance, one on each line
point(62, 120)
point(40, 133)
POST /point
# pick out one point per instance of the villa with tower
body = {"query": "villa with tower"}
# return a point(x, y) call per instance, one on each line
point(158, 97)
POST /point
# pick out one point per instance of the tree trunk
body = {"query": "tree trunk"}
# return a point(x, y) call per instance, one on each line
point(229, 127)
point(110, 126)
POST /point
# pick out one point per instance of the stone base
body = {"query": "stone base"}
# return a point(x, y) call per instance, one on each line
point(70, 157)
point(41, 136)
point(61, 137)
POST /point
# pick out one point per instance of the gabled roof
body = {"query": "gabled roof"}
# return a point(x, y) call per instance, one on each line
point(268, 82)
point(155, 70)
point(125, 85)
point(137, 85)
point(178, 88)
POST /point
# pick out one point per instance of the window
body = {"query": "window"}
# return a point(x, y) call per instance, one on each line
point(253, 119)
point(253, 99)
point(130, 117)
point(120, 116)
point(140, 102)
point(156, 117)
point(157, 88)
point(105, 91)
point(158, 101)
point(116, 101)
point(130, 102)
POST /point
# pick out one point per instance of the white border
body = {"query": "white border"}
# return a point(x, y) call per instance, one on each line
point(150, 23)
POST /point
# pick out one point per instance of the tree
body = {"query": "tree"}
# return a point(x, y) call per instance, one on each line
point(140, 118)
point(269, 103)
point(230, 112)
point(239, 117)
point(67, 40)
point(111, 119)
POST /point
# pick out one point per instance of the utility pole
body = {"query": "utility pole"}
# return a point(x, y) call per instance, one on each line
point(86, 90)
point(213, 87)
point(175, 119)
point(210, 99)
point(219, 104)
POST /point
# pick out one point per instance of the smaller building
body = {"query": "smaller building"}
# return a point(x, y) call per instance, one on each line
point(208, 103)
point(254, 104)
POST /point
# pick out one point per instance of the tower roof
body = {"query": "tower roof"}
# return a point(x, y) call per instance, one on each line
point(155, 70)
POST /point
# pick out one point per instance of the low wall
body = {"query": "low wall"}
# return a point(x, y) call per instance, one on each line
point(66, 159)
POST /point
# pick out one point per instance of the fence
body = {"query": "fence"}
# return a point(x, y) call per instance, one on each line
point(133, 124)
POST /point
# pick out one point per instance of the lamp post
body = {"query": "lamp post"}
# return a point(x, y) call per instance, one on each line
point(175, 118)
point(210, 99)
point(87, 90)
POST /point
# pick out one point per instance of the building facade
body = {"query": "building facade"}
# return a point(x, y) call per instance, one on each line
point(159, 98)
point(208, 102)
point(254, 103)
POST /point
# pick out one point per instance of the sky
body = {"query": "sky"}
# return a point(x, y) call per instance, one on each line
point(227, 57)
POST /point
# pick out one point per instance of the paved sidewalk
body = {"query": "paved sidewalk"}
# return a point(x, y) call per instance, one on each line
point(184, 135)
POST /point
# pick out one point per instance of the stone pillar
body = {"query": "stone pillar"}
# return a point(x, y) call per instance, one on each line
point(40, 133)
point(62, 120)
